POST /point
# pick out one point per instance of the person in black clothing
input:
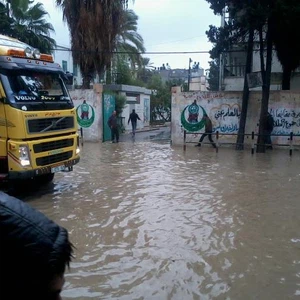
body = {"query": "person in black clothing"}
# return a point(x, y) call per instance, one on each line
point(34, 252)
point(133, 117)
point(268, 128)
point(208, 132)
point(113, 125)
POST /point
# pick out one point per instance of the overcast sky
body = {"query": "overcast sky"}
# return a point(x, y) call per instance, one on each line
point(165, 25)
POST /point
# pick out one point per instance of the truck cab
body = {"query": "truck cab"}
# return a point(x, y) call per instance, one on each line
point(38, 129)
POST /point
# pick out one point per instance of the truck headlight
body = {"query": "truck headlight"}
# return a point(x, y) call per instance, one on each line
point(24, 156)
point(77, 150)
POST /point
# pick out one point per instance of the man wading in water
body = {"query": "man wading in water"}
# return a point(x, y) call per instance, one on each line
point(208, 132)
point(133, 117)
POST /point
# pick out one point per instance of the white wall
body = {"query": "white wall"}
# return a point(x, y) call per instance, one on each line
point(94, 99)
point(224, 110)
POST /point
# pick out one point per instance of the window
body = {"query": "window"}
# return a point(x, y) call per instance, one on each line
point(65, 65)
point(75, 70)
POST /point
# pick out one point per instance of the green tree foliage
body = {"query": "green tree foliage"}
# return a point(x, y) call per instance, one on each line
point(27, 22)
point(120, 103)
point(278, 17)
point(129, 41)
point(94, 26)
point(286, 38)
point(128, 60)
point(213, 79)
point(5, 21)
point(160, 106)
point(273, 23)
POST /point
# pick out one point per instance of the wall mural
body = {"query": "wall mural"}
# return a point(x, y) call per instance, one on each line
point(85, 114)
point(286, 120)
point(190, 119)
point(225, 117)
point(146, 110)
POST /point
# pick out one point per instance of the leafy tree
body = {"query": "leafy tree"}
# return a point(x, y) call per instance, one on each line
point(259, 19)
point(94, 26)
point(5, 21)
point(160, 106)
point(129, 47)
point(145, 71)
point(123, 74)
point(27, 23)
point(213, 79)
point(286, 39)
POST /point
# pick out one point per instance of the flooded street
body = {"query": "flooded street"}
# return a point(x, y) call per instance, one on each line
point(150, 221)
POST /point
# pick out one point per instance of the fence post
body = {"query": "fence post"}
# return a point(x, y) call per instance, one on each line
point(217, 137)
point(291, 143)
point(184, 140)
point(252, 142)
point(81, 133)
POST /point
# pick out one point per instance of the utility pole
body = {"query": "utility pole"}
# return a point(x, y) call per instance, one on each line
point(189, 74)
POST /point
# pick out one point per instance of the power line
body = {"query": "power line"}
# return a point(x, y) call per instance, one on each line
point(148, 53)
point(127, 52)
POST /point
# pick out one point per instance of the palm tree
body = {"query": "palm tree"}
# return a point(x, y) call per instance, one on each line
point(129, 47)
point(93, 25)
point(28, 24)
point(129, 41)
point(4, 19)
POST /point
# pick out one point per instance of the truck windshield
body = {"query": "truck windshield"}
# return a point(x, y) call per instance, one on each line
point(36, 89)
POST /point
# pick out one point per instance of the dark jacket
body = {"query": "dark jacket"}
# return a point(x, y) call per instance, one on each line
point(32, 247)
point(269, 123)
point(133, 117)
point(208, 125)
point(112, 121)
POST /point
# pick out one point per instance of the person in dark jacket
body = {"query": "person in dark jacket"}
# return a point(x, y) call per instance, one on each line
point(113, 125)
point(34, 252)
point(133, 117)
point(208, 132)
point(268, 128)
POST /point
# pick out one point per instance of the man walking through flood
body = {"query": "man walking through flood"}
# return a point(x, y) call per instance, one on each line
point(208, 132)
point(133, 117)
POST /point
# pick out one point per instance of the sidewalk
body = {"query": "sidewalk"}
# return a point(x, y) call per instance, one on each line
point(148, 128)
point(146, 134)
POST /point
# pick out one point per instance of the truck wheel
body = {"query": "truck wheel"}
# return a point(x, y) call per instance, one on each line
point(45, 178)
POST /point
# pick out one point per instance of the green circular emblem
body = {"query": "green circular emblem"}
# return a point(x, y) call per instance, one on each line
point(85, 115)
point(190, 117)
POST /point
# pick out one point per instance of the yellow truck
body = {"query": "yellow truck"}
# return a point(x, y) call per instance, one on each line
point(38, 129)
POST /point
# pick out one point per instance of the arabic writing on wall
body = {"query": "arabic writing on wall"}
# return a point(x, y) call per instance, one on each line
point(225, 118)
point(286, 120)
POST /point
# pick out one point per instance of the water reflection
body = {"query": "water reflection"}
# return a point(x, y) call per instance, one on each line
point(152, 222)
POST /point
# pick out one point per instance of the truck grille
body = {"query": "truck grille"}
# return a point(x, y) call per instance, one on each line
point(52, 159)
point(50, 124)
point(48, 146)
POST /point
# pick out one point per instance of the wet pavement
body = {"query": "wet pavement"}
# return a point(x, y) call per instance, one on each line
point(150, 221)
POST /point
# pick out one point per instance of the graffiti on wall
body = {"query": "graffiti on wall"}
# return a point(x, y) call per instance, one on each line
point(85, 114)
point(286, 120)
point(146, 110)
point(224, 117)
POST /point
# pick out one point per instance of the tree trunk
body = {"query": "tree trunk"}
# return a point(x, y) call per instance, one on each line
point(261, 147)
point(241, 132)
point(108, 74)
point(86, 80)
point(286, 79)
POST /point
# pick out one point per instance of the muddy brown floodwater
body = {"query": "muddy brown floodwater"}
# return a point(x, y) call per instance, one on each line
point(152, 222)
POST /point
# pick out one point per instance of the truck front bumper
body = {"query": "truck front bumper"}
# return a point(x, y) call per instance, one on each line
point(67, 166)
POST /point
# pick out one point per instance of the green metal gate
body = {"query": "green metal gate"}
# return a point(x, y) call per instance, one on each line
point(108, 107)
